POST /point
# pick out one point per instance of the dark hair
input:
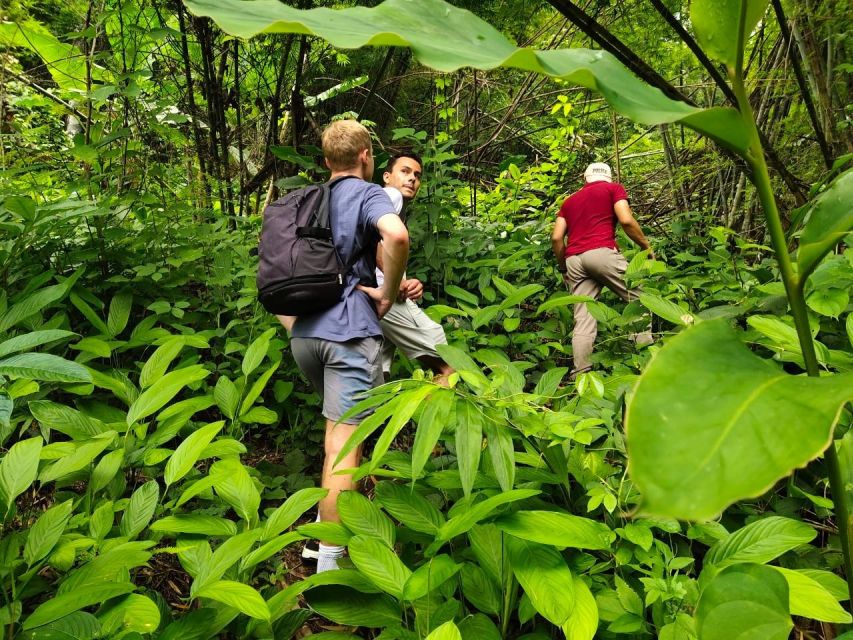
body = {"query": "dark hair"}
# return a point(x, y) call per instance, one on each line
point(393, 160)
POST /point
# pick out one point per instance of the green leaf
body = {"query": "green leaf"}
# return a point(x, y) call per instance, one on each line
point(27, 341)
point(44, 367)
point(238, 595)
point(545, 578)
point(557, 529)
point(67, 603)
point(256, 352)
point(562, 299)
point(583, 621)
point(480, 590)
point(830, 220)
point(80, 459)
point(347, 606)
point(18, 469)
point(718, 27)
point(106, 469)
point(235, 486)
point(407, 403)
point(725, 430)
point(461, 294)
point(379, 564)
point(332, 532)
point(447, 38)
point(163, 390)
point(140, 509)
point(155, 367)
point(409, 507)
point(7, 405)
point(829, 302)
point(469, 442)
point(286, 514)
point(447, 631)
point(808, 598)
point(363, 517)
point(35, 302)
point(429, 577)
point(431, 423)
point(458, 525)
point(478, 627)
point(745, 601)
point(195, 523)
point(134, 612)
point(226, 555)
point(188, 452)
point(75, 424)
point(501, 452)
point(269, 549)
point(258, 387)
point(45, 533)
point(119, 313)
point(760, 542)
point(667, 310)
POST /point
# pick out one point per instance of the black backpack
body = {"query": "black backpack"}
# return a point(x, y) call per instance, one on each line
point(300, 271)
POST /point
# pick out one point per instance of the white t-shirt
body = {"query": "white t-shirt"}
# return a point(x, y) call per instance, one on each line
point(397, 201)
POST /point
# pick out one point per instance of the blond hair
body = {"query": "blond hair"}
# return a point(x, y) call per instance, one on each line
point(343, 141)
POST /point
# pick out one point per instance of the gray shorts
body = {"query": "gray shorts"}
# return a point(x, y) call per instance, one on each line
point(407, 327)
point(340, 371)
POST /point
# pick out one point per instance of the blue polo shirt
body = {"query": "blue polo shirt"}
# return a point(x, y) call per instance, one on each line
point(354, 211)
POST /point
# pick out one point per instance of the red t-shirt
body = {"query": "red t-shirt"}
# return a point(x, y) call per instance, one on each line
point(590, 217)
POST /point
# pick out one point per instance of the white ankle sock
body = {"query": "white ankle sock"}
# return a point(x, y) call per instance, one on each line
point(328, 559)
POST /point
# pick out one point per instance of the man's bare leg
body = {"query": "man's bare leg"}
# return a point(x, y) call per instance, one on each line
point(335, 439)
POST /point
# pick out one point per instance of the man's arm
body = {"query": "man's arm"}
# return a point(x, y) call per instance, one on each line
point(631, 227)
point(287, 321)
point(395, 254)
point(558, 242)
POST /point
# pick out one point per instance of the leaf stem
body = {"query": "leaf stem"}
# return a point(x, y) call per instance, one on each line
point(794, 288)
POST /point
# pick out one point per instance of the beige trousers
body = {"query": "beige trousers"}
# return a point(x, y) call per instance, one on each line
point(586, 274)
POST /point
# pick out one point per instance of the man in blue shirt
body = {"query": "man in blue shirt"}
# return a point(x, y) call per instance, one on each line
point(339, 349)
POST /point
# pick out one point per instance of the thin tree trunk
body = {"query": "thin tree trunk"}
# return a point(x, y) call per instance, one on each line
point(193, 109)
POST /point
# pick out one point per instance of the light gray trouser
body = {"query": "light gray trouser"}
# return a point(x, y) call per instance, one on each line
point(585, 275)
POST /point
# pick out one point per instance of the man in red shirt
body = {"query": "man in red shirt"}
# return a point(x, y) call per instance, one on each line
point(591, 258)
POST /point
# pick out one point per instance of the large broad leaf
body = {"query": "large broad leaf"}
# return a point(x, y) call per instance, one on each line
point(196, 523)
point(226, 555)
point(75, 424)
point(238, 595)
point(348, 606)
point(447, 631)
point(140, 509)
point(74, 601)
point(718, 25)
point(760, 541)
point(134, 612)
point(81, 458)
point(45, 533)
point(711, 423)
point(75, 626)
point(583, 622)
point(429, 577)
point(363, 517)
point(166, 388)
point(44, 366)
point(830, 220)
point(808, 598)
point(35, 302)
point(447, 38)
point(469, 442)
point(289, 512)
point(431, 423)
point(557, 529)
point(379, 564)
point(236, 487)
point(409, 507)
point(155, 367)
point(119, 312)
point(18, 469)
point(545, 578)
point(743, 602)
point(189, 451)
point(27, 341)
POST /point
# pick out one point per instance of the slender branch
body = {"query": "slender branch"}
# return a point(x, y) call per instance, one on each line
point(45, 92)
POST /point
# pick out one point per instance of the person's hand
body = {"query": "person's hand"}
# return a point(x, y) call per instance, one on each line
point(382, 305)
point(412, 289)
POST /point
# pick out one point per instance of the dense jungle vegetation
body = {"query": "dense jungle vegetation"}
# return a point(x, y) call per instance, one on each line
point(160, 449)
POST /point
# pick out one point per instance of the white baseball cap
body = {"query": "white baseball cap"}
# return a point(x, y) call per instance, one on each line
point(598, 171)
